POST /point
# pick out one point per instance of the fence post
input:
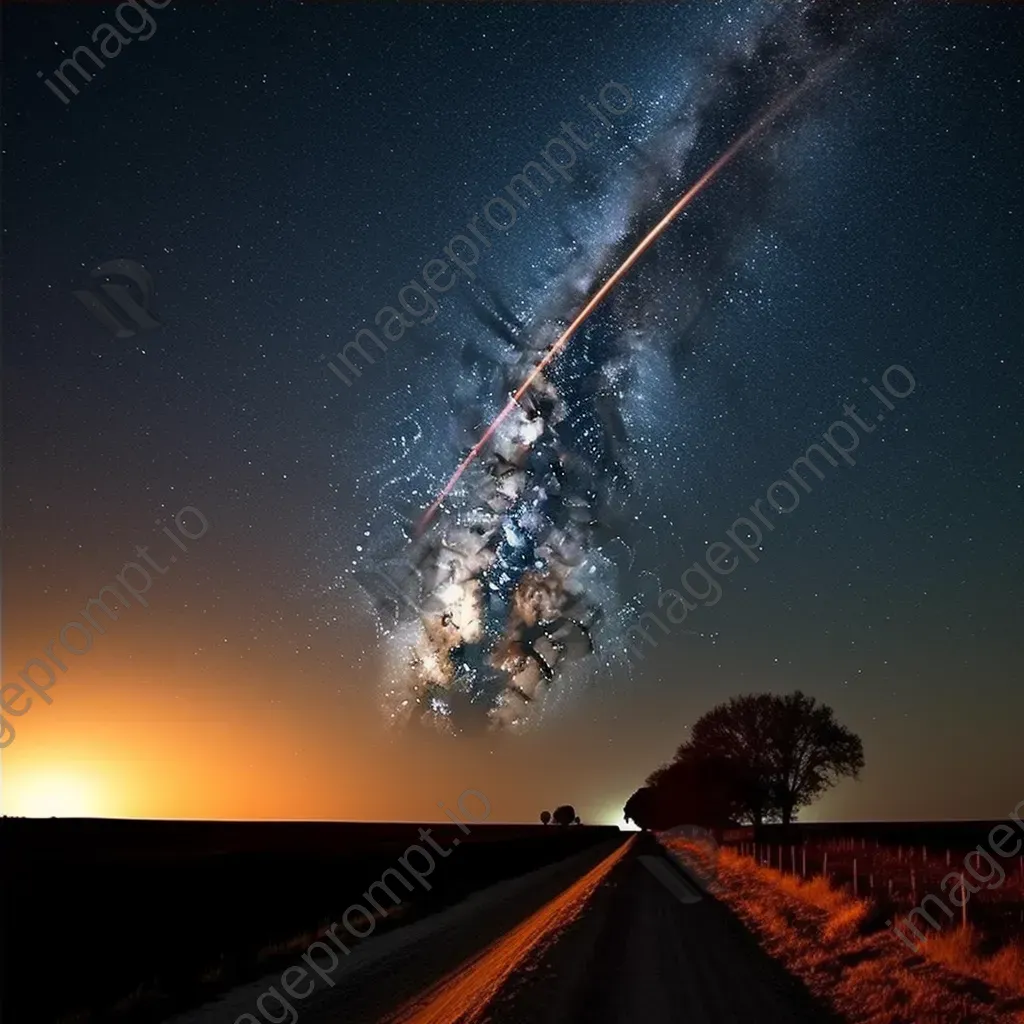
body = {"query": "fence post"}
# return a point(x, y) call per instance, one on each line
point(792, 859)
point(824, 866)
point(913, 886)
point(803, 862)
point(854, 877)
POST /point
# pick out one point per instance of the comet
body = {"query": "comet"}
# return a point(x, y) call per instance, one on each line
point(763, 121)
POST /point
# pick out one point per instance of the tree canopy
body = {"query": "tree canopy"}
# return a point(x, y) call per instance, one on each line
point(564, 815)
point(755, 758)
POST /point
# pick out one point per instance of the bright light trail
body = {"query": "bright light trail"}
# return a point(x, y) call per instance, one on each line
point(465, 995)
point(645, 243)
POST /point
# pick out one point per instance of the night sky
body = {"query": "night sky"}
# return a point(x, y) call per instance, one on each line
point(283, 170)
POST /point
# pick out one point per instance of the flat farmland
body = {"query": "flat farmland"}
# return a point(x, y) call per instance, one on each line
point(150, 917)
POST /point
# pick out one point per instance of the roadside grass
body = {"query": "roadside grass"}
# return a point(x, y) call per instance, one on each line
point(963, 950)
point(842, 950)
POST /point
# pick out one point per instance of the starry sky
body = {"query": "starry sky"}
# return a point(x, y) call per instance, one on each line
point(282, 170)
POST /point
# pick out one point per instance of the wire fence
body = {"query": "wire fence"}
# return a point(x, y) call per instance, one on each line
point(898, 877)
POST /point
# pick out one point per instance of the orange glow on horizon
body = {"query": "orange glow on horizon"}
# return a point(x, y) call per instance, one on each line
point(143, 744)
point(69, 792)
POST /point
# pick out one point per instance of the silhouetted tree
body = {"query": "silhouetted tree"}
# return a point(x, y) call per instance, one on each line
point(699, 788)
point(564, 815)
point(809, 751)
point(754, 758)
point(737, 733)
point(545, 817)
point(691, 790)
point(640, 806)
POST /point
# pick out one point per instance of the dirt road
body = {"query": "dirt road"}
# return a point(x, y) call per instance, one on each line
point(653, 947)
point(618, 935)
point(645, 945)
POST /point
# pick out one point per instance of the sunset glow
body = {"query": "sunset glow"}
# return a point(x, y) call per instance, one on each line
point(508, 512)
point(61, 793)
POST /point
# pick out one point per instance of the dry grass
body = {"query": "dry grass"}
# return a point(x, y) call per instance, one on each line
point(844, 916)
point(961, 950)
point(835, 945)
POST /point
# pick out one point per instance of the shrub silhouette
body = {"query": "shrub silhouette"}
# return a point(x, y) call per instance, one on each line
point(564, 815)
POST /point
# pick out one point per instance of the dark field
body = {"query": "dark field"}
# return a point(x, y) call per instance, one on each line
point(933, 834)
point(135, 920)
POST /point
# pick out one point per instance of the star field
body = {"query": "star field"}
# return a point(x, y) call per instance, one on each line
point(283, 171)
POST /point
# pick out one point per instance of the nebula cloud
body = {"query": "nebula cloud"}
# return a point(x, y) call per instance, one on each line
point(517, 577)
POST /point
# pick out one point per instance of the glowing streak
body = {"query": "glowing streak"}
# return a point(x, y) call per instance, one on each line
point(465, 995)
point(645, 243)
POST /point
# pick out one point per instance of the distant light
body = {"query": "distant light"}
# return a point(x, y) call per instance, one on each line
point(55, 793)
